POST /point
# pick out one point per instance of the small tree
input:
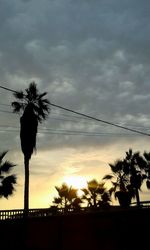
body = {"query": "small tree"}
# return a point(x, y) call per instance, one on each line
point(95, 194)
point(7, 181)
point(67, 198)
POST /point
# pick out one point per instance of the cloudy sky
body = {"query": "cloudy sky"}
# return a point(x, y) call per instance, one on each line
point(90, 56)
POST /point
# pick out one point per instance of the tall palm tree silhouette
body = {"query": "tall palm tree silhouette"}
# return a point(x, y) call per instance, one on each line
point(7, 181)
point(35, 109)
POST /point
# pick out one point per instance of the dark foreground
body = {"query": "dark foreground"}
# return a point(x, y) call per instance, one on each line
point(114, 229)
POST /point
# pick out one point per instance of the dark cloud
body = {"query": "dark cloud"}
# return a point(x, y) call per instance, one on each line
point(91, 56)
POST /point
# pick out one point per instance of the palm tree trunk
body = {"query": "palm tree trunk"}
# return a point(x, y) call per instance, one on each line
point(26, 187)
point(137, 197)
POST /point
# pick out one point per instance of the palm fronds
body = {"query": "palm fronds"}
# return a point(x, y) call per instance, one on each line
point(7, 182)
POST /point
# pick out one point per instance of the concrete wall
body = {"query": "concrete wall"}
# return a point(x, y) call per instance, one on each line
point(108, 230)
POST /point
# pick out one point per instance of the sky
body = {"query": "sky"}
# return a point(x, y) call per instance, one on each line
point(89, 56)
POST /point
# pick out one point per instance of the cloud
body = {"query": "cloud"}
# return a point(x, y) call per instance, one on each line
point(90, 56)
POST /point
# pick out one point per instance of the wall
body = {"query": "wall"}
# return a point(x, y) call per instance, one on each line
point(108, 230)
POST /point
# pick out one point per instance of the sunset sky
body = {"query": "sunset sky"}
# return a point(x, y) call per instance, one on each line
point(91, 56)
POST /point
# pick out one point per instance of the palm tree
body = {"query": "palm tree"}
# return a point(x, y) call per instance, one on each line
point(7, 181)
point(147, 168)
point(120, 183)
point(129, 176)
point(95, 194)
point(35, 109)
point(135, 169)
point(67, 198)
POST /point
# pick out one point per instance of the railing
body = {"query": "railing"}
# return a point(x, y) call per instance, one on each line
point(18, 213)
point(10, 214)
point(44, 212)
point(144, 204)
point(41, 212)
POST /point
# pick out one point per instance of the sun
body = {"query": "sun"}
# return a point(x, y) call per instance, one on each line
point(77, 181)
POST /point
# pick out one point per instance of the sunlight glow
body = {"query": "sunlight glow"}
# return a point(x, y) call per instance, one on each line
point(77, 181)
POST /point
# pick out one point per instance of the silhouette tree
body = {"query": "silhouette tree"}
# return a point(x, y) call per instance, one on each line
point(67, 198)
point(135, 169)
point(7, 181)
point(129, 175)
point(146, 156)
point(35, 109)
point(95, 194)
point(120, 183)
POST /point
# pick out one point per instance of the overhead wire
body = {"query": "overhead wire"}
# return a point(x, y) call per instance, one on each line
point(5, 111)
point(3, 104)
point(72, 116)
point(99, 120)
point(41, 130)
point(69, 120)
point(88, 116)
point(70, 133)
point(74, 121)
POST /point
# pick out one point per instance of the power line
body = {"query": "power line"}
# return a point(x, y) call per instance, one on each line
point(75, 133)
point(72, 116)
point(3, 104)
point(99, 120)
point(69, 120)
point(88, 116)
point(11, 90)
point(5, 111)
point(49, 130)
point(12, 128)
point(85, 120)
